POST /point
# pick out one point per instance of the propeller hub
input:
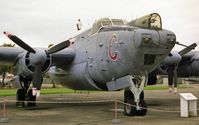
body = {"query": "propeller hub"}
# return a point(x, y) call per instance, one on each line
point(38, 58)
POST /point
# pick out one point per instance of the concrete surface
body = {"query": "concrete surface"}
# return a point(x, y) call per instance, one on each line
point(159, 101)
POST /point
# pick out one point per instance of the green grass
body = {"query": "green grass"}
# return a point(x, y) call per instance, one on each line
point(155, 87)
point(7, 92)
point(12, 92)
point(162, 87)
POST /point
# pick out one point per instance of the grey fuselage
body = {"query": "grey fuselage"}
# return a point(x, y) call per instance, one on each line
point(111, 53)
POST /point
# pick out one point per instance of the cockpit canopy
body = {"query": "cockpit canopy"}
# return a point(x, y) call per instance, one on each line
point(106, 22)
point(151, 21)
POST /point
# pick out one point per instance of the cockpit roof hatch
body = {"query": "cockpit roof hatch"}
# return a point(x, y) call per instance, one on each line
point(106, 22)
point(151, 21)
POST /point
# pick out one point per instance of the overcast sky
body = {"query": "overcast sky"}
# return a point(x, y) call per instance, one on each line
point(41, 22)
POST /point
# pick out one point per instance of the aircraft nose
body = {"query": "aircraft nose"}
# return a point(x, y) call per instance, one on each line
point(154, 40)
point(153, 46)
point(167, 39)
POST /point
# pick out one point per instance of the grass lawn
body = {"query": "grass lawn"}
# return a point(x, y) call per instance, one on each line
point(155, 87)
point(12, 92)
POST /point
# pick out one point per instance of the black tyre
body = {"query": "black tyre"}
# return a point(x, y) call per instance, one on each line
point(142, 96)
point(31, 99)
point(143, 110)
point(20, 97)
point(128, 95)
point(130, 110)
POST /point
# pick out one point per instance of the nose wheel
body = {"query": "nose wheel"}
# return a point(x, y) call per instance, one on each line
point(134, 98)
point(131, 110)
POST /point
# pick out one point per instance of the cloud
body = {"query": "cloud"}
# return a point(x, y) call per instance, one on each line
point(40, 22)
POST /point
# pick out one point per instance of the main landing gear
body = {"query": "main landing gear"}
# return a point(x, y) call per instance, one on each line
point(134, 96)
point(25, 94)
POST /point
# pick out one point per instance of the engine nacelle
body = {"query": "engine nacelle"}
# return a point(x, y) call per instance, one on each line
point(25, 67)
point(172, 58)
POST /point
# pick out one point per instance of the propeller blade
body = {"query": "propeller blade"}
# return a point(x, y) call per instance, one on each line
point(187, 49)
point(37, 77)
point(59, 47)
point(19, 42)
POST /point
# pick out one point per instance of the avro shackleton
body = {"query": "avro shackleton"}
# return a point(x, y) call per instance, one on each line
point(112, 55)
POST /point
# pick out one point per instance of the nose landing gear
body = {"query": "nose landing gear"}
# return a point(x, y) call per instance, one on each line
point(134, 96)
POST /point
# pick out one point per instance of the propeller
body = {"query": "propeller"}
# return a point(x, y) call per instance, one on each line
point(59, 47)
point(38, 57)
point(19, 42)
point(25, 46)
point(172, 67)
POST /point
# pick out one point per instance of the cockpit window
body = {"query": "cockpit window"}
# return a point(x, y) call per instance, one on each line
point(151, 21)
point(106, 22)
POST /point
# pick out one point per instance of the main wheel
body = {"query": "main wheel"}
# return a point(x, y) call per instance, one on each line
point(31, 99)
point(130, 110)
point(20, 97)
point(143, 110)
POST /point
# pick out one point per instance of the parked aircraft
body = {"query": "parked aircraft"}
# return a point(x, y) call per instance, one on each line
point(177, 64)
point(112, 55)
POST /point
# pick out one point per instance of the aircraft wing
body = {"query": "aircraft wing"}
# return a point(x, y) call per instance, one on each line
point(187, 57)
point(9, 55)
point(63, 58)
point(173, 64)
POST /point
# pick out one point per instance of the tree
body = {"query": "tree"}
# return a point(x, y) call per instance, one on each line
point(5, 69)
point(8, 45)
